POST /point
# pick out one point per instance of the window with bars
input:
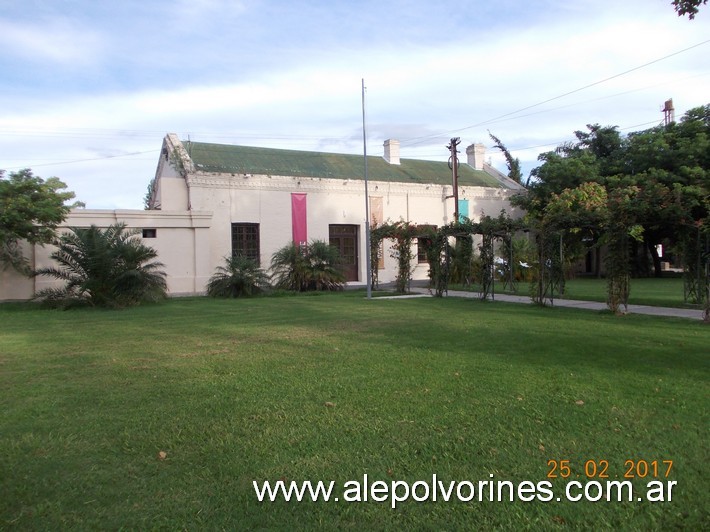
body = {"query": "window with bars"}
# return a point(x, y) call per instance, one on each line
point(245, 240)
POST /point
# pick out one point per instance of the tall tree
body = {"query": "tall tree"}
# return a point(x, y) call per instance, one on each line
point(30, 209)
point(513, 163)
point(607, 146)
point(560, 170)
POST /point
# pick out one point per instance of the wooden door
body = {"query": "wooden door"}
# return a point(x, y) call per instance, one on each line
point(345, 239)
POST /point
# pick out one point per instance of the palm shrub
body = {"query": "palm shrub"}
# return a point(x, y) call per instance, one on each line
point(104, 268)
point(316, 266)
point(239, 276)
point(324, 267)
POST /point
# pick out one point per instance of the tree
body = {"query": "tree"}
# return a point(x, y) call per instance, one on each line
point(149, 201)
point(104, 268)
point(559, 170)
point(316, 266)
point(239, 277)
point(688, 7)
point(30, 209)
point(670, 166)
point(513, 164)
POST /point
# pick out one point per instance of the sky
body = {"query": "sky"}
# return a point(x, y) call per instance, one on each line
point(89, 88)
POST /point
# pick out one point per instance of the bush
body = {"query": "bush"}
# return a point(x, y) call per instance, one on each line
point(103, 268)
point(316, 266)
point(239, 277)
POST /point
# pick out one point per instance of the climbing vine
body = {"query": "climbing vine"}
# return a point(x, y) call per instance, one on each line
point(402, 234)
point(455, 263)
point(620, 226)
point(695, 248)
point(376, 237)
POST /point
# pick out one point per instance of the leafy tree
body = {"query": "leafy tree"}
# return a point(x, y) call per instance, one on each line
point(614, 214)
point(239, 277)
point(513, 163)
point(30, 209)
point(688, 7)
point(104, 268)
point(316, 266)
point(559, 170)
point(607, 146)
point(670, 166)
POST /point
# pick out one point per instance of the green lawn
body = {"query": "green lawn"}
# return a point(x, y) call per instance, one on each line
point(332, 387)
point(663, 292)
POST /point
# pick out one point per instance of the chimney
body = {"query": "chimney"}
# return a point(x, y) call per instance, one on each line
point(474, 156)
point(392, 151)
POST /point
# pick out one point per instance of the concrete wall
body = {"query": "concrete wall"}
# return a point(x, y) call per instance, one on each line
point(182, 241)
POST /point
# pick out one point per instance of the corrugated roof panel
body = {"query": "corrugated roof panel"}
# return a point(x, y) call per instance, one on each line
point(223, 158)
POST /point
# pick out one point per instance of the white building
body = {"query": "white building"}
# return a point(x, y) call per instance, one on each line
point(212, 200)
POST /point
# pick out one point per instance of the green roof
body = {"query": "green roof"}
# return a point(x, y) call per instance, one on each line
point(223, 158)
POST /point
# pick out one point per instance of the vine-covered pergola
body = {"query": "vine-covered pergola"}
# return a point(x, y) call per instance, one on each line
point(437, 246)
point(610, 219)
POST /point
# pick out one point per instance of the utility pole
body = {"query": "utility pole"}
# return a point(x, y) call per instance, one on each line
point(454, 165)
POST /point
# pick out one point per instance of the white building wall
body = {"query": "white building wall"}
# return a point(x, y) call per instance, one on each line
point(266, 200)
point(198, 209)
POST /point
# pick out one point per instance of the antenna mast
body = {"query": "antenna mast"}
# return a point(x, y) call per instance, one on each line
point(368, 254)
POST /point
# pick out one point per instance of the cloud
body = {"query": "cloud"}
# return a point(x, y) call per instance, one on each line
point(56, 41)
point(194, 15)
point(248, 73)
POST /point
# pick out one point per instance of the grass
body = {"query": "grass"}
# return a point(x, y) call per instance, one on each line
point(236, 391)
point(663, 292)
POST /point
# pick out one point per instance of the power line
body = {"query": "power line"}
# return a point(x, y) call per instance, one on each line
point(597, 99)
point(491, 120)
point(58, 163)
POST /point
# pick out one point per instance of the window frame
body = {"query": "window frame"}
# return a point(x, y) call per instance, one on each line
point(244, 234)
point(421, 254)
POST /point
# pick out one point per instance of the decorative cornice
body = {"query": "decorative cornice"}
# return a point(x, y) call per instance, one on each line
point(138, 218)
point(343, 186)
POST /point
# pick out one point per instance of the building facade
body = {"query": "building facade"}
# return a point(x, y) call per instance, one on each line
point(212, 200)
point(262, 199)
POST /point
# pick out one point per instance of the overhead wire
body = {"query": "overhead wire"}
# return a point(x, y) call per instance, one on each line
point(579, 89)
point(513, 115)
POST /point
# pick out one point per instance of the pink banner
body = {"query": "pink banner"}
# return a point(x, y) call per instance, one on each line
point(299, 222)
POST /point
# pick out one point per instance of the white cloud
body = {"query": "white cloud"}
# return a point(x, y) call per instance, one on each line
point(192, 15)
point(435, 89)
point(56, 41)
